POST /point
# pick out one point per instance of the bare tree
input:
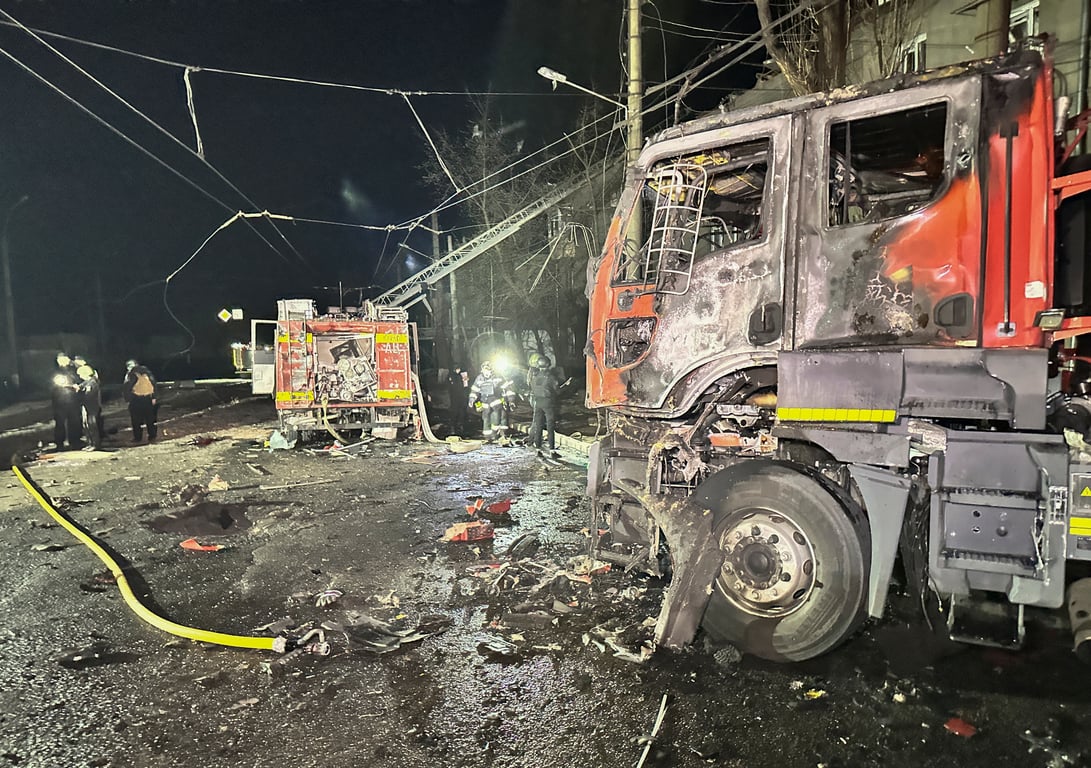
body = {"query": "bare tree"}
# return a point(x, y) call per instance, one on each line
point(530, 287)
point(809, 42)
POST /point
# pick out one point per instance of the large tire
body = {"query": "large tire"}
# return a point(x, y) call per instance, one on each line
point(795, 571)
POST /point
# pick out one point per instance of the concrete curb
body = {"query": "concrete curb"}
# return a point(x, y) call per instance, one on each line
point(565, 442)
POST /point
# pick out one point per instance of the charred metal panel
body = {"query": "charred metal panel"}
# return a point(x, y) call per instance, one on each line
point(733, 301)
point(853, 444)
point(875, 263)
point(860, 383)
point(871, 386)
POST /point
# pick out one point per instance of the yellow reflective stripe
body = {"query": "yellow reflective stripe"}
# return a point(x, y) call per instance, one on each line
point(394, 394)
point(286, 396)
point(392, 338)
point(1079, 526)
point(837, 414)
point(286, 339)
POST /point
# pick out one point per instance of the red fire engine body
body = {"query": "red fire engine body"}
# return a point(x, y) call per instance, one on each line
point(344, 370)
point(843, 327)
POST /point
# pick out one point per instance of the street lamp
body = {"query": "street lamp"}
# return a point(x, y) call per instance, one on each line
point(557, 77)
point(9, 302)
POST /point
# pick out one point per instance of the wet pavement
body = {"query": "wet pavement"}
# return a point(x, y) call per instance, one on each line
point(441, 654)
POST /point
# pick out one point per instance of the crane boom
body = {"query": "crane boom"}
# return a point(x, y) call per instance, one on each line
point(410, 291)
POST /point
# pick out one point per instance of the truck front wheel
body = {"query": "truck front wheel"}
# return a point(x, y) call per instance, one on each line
point(794, 577)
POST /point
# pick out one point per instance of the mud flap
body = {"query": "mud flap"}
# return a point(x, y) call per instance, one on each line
point(696, 557)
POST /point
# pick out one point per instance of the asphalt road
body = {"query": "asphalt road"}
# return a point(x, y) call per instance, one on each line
point(441, 654)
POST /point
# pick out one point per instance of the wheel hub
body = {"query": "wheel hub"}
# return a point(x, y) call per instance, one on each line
point(768, 565)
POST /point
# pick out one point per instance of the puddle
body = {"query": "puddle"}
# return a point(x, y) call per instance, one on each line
point(207, 518)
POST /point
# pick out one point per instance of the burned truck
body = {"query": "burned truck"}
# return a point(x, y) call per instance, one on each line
point(843, 334)
point(347, 371)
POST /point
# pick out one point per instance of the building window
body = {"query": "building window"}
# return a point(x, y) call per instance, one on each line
point(1023, 22)
point(913, 59)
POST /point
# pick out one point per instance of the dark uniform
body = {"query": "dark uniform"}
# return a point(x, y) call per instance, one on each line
point(491, 393)
point(90, 396)
point(458, 389)
point(545, 390)
point(67, 419)
point(139, 392)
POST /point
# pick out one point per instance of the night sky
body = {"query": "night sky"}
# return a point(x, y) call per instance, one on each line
point(101, 212)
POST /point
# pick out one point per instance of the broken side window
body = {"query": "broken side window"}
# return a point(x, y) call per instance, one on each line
point(692, 206)
point(886, 166)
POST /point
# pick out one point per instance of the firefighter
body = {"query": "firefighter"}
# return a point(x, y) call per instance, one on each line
point(490, 394)
point(545, 390)
point(90, 399)
point(139, 392)
point(458, 389)
point(66, 405)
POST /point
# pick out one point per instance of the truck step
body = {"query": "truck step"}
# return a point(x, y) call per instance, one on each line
point(980, 621)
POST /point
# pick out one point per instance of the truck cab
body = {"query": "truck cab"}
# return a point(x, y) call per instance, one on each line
point(841, 327)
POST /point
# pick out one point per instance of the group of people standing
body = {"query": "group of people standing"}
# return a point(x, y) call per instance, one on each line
point(77, 403)
point(493, 395)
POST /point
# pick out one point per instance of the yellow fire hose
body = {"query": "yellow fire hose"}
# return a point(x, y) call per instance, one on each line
point(141, 610)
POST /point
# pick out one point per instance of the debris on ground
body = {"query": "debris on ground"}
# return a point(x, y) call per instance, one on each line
point(728, 656)
point(649, 740)
point(278, 442)
point(49, 547)
point(524, 546)
point(257, 469)
point(202, 441)
point(195, 546)
point(337, 448)
point(1050, 743)
point(960, 727)
point(476, 530)
point(373, 635)
point(633, 643)
point(327, 597)
point(583, 567)
point(499, 650)
point(294, 485)
point(190, 493)
point(217, 484)
point(96, 654)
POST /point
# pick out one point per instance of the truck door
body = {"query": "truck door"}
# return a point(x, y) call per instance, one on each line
point(702, 294)
point(890, 220)
point(263, 357)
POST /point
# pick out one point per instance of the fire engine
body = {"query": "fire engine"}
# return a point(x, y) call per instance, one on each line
point(347, 369)
point(839, 329)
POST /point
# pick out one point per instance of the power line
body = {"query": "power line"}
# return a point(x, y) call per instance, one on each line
point(165, 132)
point(386, 91)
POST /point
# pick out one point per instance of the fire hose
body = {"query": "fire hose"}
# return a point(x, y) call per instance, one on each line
point(280, 644)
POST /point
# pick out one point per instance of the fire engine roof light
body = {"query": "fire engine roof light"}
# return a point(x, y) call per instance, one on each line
point(1049, 319)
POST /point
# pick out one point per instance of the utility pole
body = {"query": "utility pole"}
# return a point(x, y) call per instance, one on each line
point(635, 139)
point(992, 33)
point(9, 301)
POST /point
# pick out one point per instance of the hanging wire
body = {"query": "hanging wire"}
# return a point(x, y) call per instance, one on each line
point(162, 130)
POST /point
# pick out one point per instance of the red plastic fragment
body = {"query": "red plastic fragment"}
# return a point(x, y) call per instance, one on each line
point(960, 727)
point(500, 507)
point(194, 546)
point(476, 530)
point(473, 509)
